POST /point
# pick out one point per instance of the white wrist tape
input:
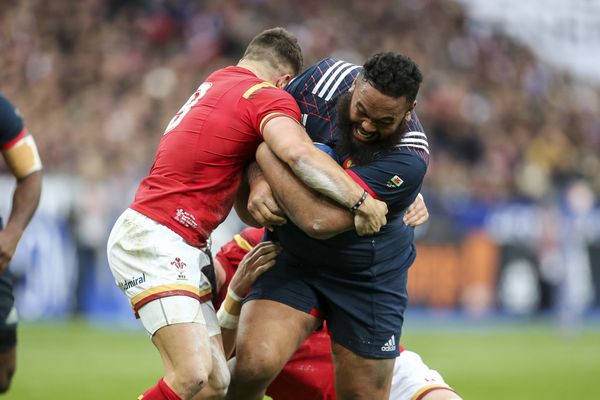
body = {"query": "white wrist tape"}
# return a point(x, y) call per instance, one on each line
point(226, 320)
point(234, 295)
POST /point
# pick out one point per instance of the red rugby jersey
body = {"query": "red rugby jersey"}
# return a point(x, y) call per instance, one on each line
point(201, 157)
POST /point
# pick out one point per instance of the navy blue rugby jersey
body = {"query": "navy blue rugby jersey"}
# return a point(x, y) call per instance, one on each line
point(11, 124)
point(395, 177)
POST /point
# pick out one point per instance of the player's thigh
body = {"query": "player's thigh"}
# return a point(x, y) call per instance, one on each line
point(183, 347)
point(271, 331)
point(152, 263)
point(358, 377)
point(184, 344)
point(277, 315)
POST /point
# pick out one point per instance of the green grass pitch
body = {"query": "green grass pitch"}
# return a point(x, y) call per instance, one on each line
point(74, 360)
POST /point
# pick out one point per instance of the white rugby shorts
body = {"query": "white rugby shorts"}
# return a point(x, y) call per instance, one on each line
point(160, 274)
point(413, 378)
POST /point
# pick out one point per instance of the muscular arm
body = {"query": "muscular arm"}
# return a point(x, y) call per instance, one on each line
point(24, 162)
point(321, 173)
point(25, 201)
point(256, 262)
point(317, 170)
point(317, 216)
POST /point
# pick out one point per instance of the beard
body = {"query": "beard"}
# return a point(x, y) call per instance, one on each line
point(360, 152)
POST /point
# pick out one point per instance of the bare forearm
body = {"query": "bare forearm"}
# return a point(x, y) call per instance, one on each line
point(313, 167)
point(321, 173)
point(315, 215)
point(26, 198)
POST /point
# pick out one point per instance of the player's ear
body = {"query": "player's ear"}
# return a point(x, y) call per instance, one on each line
point(408, 114)
point(283, 80)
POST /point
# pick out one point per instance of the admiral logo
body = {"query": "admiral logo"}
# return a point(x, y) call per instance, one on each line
point(180, 265)
point(396, 181)
point(134, 282)
point(390, 345)
point(185, 218)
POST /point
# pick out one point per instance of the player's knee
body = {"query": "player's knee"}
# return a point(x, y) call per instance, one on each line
point(219, 382)
point(261, 364)
point(191, 380)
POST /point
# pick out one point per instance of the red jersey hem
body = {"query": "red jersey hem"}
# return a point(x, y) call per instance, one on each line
point(179, 229)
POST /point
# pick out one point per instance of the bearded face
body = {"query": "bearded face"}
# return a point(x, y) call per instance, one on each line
point(362, 136)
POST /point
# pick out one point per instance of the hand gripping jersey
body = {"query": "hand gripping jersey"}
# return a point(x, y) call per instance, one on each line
point(394, 177)
point(200, 158)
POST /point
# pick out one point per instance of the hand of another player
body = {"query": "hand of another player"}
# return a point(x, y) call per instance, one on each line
point(263, 207)
point(8, 245)
point(259, 260)
point(417, 213)
point(370, 217)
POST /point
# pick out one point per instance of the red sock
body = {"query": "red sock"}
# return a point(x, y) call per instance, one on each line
point(160, 391)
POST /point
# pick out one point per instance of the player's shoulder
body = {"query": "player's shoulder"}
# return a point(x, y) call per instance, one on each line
point(264, 89)
point(11, 122)
point(414, 140)
point(252, 235)
point(245, 81)
point(325, 77)
point(8, 110)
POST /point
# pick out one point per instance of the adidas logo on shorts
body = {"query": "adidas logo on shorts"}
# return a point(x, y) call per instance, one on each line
point(390, 345)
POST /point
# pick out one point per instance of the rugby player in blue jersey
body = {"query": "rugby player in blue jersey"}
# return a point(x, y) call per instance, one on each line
point(20, 153)
point(325, 271)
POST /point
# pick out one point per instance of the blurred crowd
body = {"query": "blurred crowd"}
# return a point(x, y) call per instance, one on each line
point(98, 80)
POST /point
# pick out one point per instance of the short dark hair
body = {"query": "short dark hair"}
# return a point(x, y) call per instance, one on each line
point(393, 74)
point(279, 47)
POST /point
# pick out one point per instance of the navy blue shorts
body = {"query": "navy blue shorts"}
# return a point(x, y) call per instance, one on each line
point(364, 310)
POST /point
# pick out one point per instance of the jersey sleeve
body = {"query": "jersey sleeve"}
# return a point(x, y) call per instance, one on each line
point(395, 178)
point(269, 102)
point(234, 250)
point(11, 125)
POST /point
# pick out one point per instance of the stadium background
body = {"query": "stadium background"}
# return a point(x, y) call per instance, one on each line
point(505, 290)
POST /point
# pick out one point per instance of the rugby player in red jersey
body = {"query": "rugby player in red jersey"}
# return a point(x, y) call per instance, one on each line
point(20, 153)
point(157, 247)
